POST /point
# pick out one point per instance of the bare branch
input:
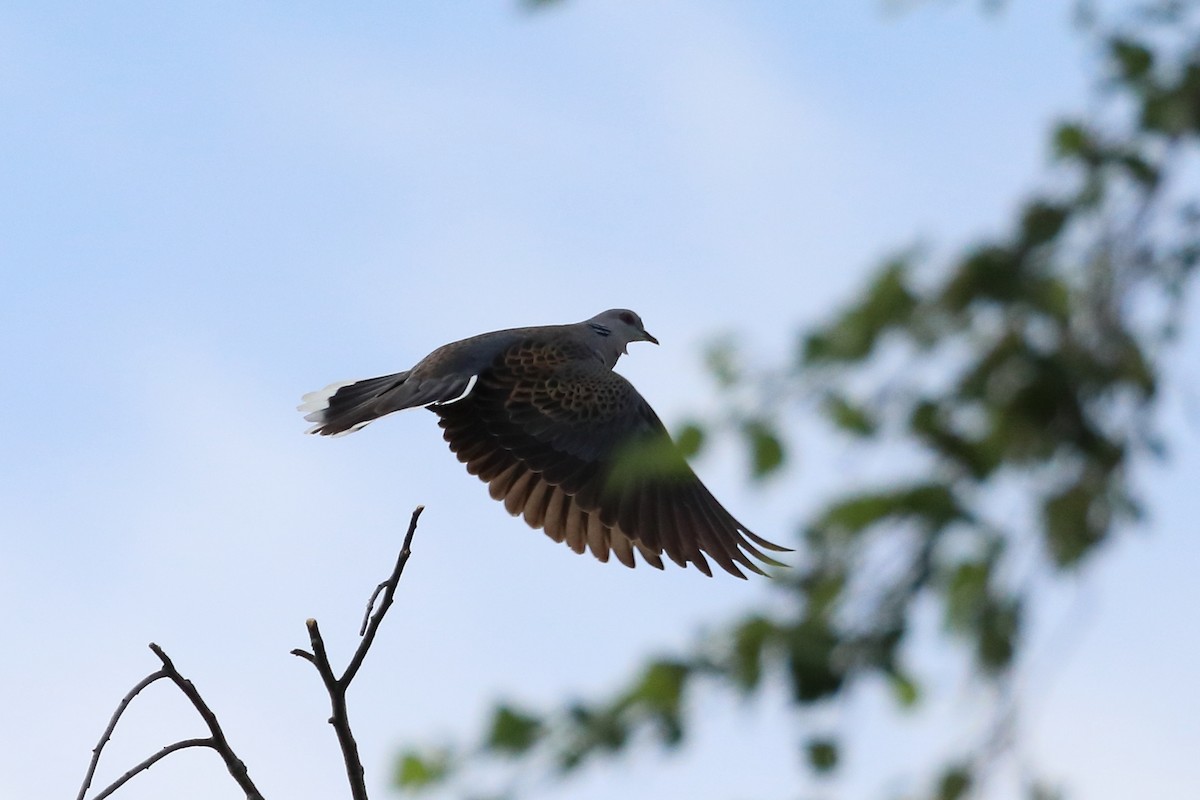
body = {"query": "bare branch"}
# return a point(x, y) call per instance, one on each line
point(234, 765)
point(362, 629)
point(307, 656)
point(372, 627)
point(336, 687)
point(151, 761)
point(216, 741)
point(112, 724)
point(339, 718)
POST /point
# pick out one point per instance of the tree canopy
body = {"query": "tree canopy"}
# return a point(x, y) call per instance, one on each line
point(1017, 386)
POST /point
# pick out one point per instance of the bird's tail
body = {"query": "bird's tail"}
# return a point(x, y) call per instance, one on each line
point(345, 407)
point(342, 408)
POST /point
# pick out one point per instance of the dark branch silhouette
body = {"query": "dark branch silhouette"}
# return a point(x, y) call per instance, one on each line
point(216, 740)
point(336, 686)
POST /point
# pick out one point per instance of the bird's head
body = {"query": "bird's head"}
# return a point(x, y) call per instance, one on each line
point(617, 327)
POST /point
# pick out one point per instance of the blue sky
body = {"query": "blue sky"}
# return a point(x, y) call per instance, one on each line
point(209, 209)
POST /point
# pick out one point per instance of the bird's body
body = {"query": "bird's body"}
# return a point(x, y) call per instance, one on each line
point(539, 415)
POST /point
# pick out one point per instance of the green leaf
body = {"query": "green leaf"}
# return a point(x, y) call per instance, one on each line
point(1133, 366)
point(904, 689)
point(999, 626)
point(724, 361)
point(1042, 222)
point(1039, 791)
point(954, 784)
point(889, 300)
point(934, 503)
point(1169, 112)
point(1141, 170)
point(1074, 523)
point(654, 458)
point(991, 273)
point(749, 639)
point(814, 672)
point(822, 754)
point(690, 439)
point(850, 418)
point(658, 697)
point(822, 589)
point(1072, 140)
point(1051, 296)
point(1133, 59)
point(590, 730)
point(978, 457)
point(513, 732)
point(966, 593)
point(766, 448)
point(888, 303)
point(661, 686)
point(857, 513)
point(415, 772)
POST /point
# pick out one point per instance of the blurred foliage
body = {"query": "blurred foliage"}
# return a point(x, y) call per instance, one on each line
point(1019, 380)
point(416, 771)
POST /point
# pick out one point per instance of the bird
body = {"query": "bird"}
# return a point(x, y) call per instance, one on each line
point(562, 440)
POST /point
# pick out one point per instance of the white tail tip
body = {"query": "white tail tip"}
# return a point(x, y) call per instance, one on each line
point(314, 403)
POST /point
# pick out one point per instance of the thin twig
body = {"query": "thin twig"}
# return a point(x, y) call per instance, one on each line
point(151, 761)
point(339, 717)
point(362, 629)
point(216, 740)
point(336, 687)
point(234, 765)
point(319, 657)
point(368, 636)
point(112, 724)
point(307, 656)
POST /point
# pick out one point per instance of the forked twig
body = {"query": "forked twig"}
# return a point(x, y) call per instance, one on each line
point(215, 740)
point(336, 686)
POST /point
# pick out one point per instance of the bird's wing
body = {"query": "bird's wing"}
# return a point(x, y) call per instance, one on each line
point(573, 448)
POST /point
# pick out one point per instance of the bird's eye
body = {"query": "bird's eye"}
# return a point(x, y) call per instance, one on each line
point(627, 318)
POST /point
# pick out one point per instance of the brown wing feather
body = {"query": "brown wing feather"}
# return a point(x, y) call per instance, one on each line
point(574, 449)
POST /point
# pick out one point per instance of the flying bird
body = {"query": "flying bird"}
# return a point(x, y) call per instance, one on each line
point(539, 415)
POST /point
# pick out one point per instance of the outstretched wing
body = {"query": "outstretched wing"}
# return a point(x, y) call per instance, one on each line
point(573, 448)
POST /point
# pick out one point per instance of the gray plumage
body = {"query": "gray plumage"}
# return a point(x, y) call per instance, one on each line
point(562, 440)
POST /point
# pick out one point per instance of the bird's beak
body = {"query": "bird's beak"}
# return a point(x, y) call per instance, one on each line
point(649, 338)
